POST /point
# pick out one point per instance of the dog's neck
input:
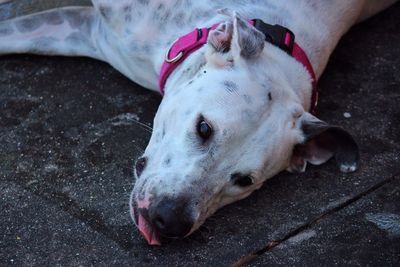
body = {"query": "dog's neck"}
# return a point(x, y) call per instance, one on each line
point(316, 26)
point(316, 42)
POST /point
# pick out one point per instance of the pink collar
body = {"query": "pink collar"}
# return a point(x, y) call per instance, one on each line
point(275, 34)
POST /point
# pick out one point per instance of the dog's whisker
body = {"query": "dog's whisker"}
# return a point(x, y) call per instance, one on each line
point(144, 126)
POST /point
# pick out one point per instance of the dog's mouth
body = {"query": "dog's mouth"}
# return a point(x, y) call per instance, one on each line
point(145, 228)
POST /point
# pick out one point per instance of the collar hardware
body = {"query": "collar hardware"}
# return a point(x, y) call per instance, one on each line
point(276, 35)
point(175, 58)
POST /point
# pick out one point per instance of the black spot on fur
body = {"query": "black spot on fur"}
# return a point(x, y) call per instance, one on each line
point(128, 13)
point(248, 99)
point(160, 7)
point(28, 24)
point(230, 86)
point(167, 161)
point(127, 9)
point(179, 18)
point(163, 131)
point(143, 2)
point(75, 19)
point(105, 12)
point(142, 189)
point(52, 18)
point(269, 96)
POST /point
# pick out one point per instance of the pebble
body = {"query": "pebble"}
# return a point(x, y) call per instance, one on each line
point(347, 115)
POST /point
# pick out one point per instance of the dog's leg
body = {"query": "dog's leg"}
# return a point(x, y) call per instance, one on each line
point(66, 31)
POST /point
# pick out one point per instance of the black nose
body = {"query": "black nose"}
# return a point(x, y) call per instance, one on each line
point(140, 165)
point(171, 217)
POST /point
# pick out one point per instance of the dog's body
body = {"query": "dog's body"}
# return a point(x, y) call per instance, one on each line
point(229, 119)
point(134, 35)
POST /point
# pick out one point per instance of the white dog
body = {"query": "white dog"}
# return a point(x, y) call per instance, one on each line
point(239, 93)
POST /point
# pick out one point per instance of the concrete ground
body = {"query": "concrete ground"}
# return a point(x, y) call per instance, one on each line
point(71, 128)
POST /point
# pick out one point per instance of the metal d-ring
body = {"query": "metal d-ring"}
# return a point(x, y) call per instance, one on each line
point(174, 59)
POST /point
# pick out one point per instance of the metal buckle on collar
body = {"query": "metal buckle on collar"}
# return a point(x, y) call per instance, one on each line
point(190, 44)
point(276, 35)
point(174, 59)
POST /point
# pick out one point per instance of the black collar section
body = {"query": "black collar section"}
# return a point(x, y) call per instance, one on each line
point(276, 35)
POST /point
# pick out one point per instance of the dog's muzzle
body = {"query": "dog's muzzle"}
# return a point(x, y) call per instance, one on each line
point(163, 217)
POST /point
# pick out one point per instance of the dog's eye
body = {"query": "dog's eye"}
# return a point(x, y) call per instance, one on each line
point(241, 180)
point(140, 165)
point(204, 129)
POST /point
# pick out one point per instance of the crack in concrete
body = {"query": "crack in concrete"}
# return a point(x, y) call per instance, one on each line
point(91, 218)
point(244, 260)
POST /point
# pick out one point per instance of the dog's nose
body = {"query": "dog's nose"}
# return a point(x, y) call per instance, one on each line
point(171, 217)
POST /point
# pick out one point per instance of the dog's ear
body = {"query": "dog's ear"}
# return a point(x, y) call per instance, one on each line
point(247, 41)
point(220, 38)
point(236, 36)
point(321, 142)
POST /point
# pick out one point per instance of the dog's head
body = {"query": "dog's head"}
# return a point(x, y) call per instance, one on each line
point(233, 116)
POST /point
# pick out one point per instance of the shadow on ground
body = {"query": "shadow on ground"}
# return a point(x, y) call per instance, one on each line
point(71, 128)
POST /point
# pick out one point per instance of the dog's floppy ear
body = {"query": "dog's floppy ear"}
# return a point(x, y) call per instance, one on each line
point(236, 36)
point(321, 142)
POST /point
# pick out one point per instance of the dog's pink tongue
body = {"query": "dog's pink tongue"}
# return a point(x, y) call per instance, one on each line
point(147, 232)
